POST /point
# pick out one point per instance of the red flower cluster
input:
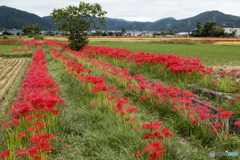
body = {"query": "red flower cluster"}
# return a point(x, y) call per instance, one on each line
point(36, 104)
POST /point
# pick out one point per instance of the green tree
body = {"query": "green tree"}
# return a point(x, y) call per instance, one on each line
point(98, 32)
point(31, 29)
point(77, 19)
point(198, 26)
point(49, 33)
point(111, 33)
point(123, 30)
point(208, 28)
point(7, 33)
point(170, 31)
point(219, 31)
point(163, 33)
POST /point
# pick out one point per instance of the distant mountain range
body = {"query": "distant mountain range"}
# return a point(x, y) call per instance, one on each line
point(14, 18)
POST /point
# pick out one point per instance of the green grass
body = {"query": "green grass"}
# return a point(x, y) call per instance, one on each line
point(5, 51)
point(93, 134)
point(210, 55)
point(8, 47)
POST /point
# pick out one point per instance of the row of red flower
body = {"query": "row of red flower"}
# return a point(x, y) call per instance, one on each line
point(110, 99)
point(33, 114)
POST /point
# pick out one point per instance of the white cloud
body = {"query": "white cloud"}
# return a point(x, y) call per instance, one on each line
point(134, 10)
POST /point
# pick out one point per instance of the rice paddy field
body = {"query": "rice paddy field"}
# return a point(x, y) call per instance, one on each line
point(120, 98)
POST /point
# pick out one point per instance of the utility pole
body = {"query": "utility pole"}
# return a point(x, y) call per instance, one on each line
point(189, 22)
point(168, 26)
point(134, 29)
point(214, 19)
point(148, 28)
point(115, 30)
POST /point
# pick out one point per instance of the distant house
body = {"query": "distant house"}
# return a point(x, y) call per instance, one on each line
point(14, 31)
point(180, 34)
point(230, 29)
point(1, 33)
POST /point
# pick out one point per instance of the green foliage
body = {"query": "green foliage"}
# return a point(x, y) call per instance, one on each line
point(49, 33)
point(218, 31)
point(7, 33)
point(123, 30)
point(5, 37)
point(31, 29)
point(198, 25)
point(30, 36)
point(208, 28)
point(158, 34)
point(98, 33)
point(38, 37)
point(110, 33)
point(77, 19)
point(170, 31)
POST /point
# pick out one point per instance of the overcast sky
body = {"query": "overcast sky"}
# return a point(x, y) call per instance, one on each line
point(133, 10)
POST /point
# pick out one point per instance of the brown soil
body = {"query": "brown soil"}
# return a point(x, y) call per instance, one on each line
point(15, 69)
point(6, 66)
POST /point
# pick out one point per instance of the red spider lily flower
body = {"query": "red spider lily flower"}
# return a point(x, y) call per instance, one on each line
point(15, 122)
point(128, 119)
point(221, 109)
point(122, 112)
point(131, 109)
point(21, 152)
point(32, 151)
point(142, 98)
point(21, 135)
point(133, 120)
point(166, 132)
point(214, 130)
point(169, 85)
point(5, 154)
point(29, 118)
point(217, 125)
point(213, 81)
point(6, 125)
point(228, 135)
point(234, 101)
point(204, 115)
point(138, 154)
point(39, 123)
point(175, 108)
point(237, 123)
point(152, 126)
point(32, 129)
point(226, 114)
point(194, 121)
point(158, 135)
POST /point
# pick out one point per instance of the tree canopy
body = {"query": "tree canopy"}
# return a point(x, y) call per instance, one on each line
point(77, 19)
point(31, 29)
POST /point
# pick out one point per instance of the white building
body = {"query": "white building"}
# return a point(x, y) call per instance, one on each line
point(182, 34)
point(230, 29)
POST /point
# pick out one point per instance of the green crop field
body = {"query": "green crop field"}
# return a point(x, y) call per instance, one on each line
point(210, 55)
